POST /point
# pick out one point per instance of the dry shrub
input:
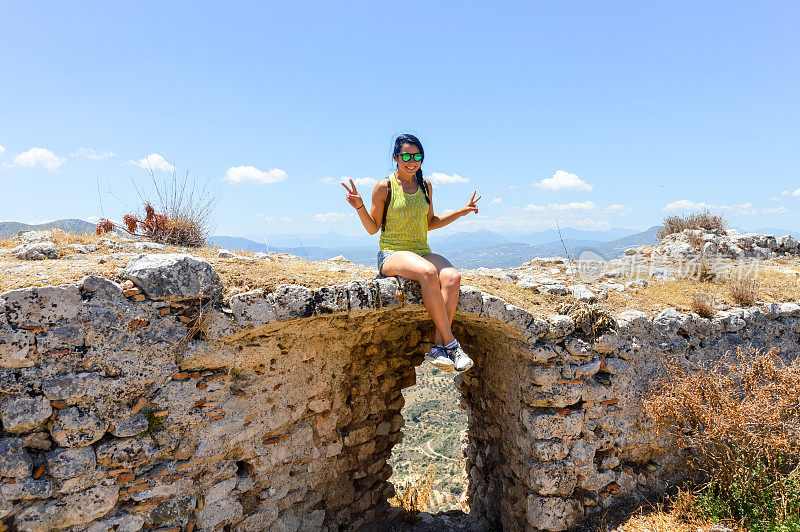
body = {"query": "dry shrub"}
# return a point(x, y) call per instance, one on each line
point(740, 419)
point(696, 220)
point(743, 291)
point(414, 497)
point(592, 319)
point(696, 241)
point(181, 217)
point(703, 304)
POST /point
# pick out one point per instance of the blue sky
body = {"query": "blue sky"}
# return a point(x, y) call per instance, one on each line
point(598, 114)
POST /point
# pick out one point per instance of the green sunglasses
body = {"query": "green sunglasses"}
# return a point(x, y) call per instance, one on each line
point(407, 157)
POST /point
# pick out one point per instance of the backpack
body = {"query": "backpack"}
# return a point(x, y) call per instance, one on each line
point(420, 182)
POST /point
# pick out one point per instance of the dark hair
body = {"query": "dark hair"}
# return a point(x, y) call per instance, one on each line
point(407, 138)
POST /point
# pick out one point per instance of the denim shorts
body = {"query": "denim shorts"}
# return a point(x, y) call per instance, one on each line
point(382, 256)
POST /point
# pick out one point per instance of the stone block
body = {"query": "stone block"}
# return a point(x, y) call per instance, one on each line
point(470, 300)
point(560, 326)
point(23, 414)
point(76, 510)
point(549, 450)
point(330, 299)
point(546, 426)
point(553, 513)
point(71, 462)
point(293, 301)
point(76, 428)
point(42, 305)
point(174, 277)
point(26, 488)
point(363, 295)
point(551, 478)
point(14, 459)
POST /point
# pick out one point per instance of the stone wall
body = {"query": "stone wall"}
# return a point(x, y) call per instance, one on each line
point(156, 404)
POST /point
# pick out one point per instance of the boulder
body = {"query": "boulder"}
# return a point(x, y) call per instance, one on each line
point(32, 236)
point(36, 251)
point(174, 277)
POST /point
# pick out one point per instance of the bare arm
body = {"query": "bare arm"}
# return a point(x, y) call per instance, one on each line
point(435, 222)
point(370, 219)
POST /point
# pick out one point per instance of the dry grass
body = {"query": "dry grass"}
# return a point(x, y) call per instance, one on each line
point(740, 417)
point(703, 304)
point(696, 241)
point(744, 292)
point(413, 498)
point(696, 220)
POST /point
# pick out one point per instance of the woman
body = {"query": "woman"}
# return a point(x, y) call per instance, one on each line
point(404, 250)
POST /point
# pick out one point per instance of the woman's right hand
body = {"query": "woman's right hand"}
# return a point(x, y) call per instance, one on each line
point(353, 197)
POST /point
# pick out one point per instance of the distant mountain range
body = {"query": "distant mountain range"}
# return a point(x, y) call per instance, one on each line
point(463, 249)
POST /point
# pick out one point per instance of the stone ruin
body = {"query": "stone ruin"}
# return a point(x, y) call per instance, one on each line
point(158, 405)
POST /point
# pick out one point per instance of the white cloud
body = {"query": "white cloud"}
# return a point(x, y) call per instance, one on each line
point(251, 174)
point(563, 180)
point(2, 149)
point(286, 219)
point(776, 210)
point(332, 217)
point(153, 162)
point(39, 157)
point(94, 155)
point(796, 192)
point(358, 181)
point(497, 201)
point(687, 205)
point(438, 178)
point(617, 209)
point(574, 206)
point(265, 217)
point(785, 193)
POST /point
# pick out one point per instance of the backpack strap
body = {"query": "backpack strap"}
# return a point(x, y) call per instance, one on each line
point(388, 200)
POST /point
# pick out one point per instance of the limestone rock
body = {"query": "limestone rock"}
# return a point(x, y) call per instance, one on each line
point(36, 251)
point(582, 293)
point(23, 414)
point(75, 428)
point(552, 478)
point(14, 459)
point(148, 246)
point(71, 462)
point(31, 236)
point(26, 488)
point(553, 513)
point(174, 277)
point(73, 510)
point(84, 248)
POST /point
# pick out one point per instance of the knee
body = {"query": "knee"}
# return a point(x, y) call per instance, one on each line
point(450, 278)
point(429, 276)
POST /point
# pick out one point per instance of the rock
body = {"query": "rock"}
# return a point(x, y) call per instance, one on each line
point(552, 478)
point(101, 287)
point(553, 289)
point(26, 488)
point(84, 248)
point(23, 414)
point(118, 523)
point(148, 246)
point(661, 274)
point(560, 326)
point(174, 277)
point(260, 255)
point(133, 426)
point(293, 301)
point(37, 440)
point(638, 283)
point(14, 459)
point(32, 236)
point(76, 428)
point(553, 513)
point(71, 462)
point(42, 305)
point(581, 293)
point(470, 300)
point(36, 251)
point(549, 426)
point(788, 243)
point(225, 254)
point(73, 510)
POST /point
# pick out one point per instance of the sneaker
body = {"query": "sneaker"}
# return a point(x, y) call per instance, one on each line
point(461, 361)
point(439, 357)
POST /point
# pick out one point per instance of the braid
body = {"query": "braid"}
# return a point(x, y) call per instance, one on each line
point(422, 185)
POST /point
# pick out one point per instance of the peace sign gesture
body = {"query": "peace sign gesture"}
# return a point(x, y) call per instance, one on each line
point(472, 206)
point(353, 197)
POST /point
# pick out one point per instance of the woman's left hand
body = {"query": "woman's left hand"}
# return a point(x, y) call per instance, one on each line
point(472, 206)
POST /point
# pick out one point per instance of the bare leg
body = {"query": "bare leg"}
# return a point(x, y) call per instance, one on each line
point(412, 266)
point(450, 282)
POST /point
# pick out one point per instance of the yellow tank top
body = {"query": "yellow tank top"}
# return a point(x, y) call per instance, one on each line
point(406, 221)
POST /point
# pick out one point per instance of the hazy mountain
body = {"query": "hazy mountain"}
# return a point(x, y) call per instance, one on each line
point(475, 239)
point(331, 239)
point(568, 233)
point(10, 229)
